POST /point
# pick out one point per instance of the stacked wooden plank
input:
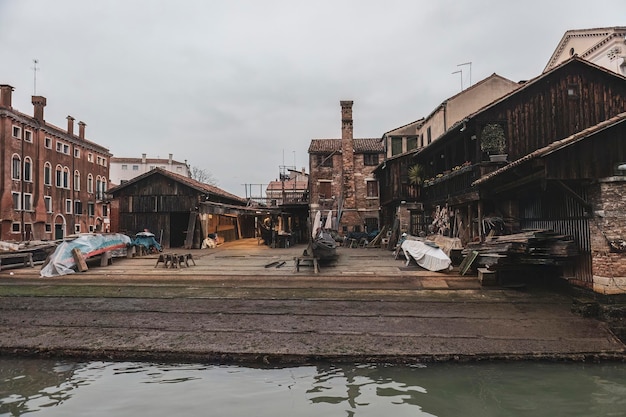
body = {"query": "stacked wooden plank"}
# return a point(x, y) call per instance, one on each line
point(538, 247)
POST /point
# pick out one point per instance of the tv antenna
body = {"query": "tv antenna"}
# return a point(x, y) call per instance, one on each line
point(460, 72)
point(35, 62)
point(470, 70)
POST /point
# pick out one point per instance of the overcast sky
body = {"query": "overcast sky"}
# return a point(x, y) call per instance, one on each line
point(240, 87)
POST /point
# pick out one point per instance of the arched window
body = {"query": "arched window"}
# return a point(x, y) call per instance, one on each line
point(90, 183)
point(77, 180)
point(59, 176)
point(16, 167)
point(66, 178)
point(47, 173)
point(98, 188)
point(28, 169)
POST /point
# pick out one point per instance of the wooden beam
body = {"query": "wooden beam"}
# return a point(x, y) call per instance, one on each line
point(573, 194)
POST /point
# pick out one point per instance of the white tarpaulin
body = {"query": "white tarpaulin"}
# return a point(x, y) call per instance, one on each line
point(426, 256)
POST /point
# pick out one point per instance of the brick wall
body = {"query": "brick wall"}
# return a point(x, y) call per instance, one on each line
point(608, 199)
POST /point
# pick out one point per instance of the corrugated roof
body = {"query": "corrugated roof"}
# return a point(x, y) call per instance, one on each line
point(365, 145)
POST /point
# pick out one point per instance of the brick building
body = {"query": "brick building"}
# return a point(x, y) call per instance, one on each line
point(52, 181)
point(341, 176)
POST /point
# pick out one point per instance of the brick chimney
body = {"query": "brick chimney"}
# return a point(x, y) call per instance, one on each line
point(39, 102)
point(81, 130)
point(6, 91)
point(70, 125)
point(347, 155)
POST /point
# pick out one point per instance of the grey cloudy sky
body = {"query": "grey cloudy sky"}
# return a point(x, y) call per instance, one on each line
point(239, 87)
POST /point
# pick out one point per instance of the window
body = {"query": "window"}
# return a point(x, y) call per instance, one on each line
point(28, 135)
point(135, 167)
point(573, 91)
point(48, 228)
point(17, 200)
point(77, 228)
point(59, 176)
point(68, 206)
point(28, 169)
point(179, 169)
point(76, 153)
point(16, 167)
point(17, 132)
point(370, 159)
point(372, 189)
point(90, 157)
point(47, 174)
point(324, 160)
point(396, 146)
point(105, 210)
point(429, 135)
point(78, 207)
point(91, 209)
point(77, 180)
point(48, 143)
point(411, 143)
point(15, 227)
point(325, 189)
point(91, 228)
point(28, 202)
point(124, 167)
point(47, 201)
point(90, 183)
point(66, 178)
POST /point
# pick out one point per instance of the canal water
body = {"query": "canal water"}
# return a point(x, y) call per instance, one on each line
point(60, 388)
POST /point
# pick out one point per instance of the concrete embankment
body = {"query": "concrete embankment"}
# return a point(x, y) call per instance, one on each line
point(230, 307)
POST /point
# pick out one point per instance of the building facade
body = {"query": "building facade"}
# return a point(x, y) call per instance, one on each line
point(341, 177)
point(605, 47)
point(53, 181)
point(125, 169)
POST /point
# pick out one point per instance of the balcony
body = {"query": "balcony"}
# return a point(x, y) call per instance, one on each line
point(457, 183)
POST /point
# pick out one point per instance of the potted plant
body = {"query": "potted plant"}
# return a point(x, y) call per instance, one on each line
point(416, 174)
point(493, 142)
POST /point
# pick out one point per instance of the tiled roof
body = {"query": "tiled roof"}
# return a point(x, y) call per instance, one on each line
point(555, 146)
point(152, 161)
point(200, 186)
point(365, 145)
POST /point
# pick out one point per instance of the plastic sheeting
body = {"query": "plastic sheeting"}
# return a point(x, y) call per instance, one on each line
point(426, 256)
point(61, 261)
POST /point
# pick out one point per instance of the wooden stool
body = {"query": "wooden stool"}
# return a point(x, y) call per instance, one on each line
point(166, 258)
point(298, 259)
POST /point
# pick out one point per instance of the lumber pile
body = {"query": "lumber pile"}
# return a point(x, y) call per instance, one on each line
point(538, 247)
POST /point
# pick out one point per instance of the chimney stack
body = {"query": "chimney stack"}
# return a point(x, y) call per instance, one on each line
point(347, 156)
point(143, 158)
point(39, 102)
point(81, 130)
point(170, 160)
point(6, 92)
point(70, 125)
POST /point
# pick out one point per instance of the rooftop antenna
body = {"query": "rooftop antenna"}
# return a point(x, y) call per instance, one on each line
point(470, 70)
point(35, 62)
point(460, 72)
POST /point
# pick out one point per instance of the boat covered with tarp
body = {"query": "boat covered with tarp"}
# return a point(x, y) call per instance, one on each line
point(62, 261)
point(426, 254)
point(323, 244)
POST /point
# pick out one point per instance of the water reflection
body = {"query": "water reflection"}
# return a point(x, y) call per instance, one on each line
point(53, 388)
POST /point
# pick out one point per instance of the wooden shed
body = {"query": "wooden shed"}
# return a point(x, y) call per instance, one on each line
point(172, 207)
